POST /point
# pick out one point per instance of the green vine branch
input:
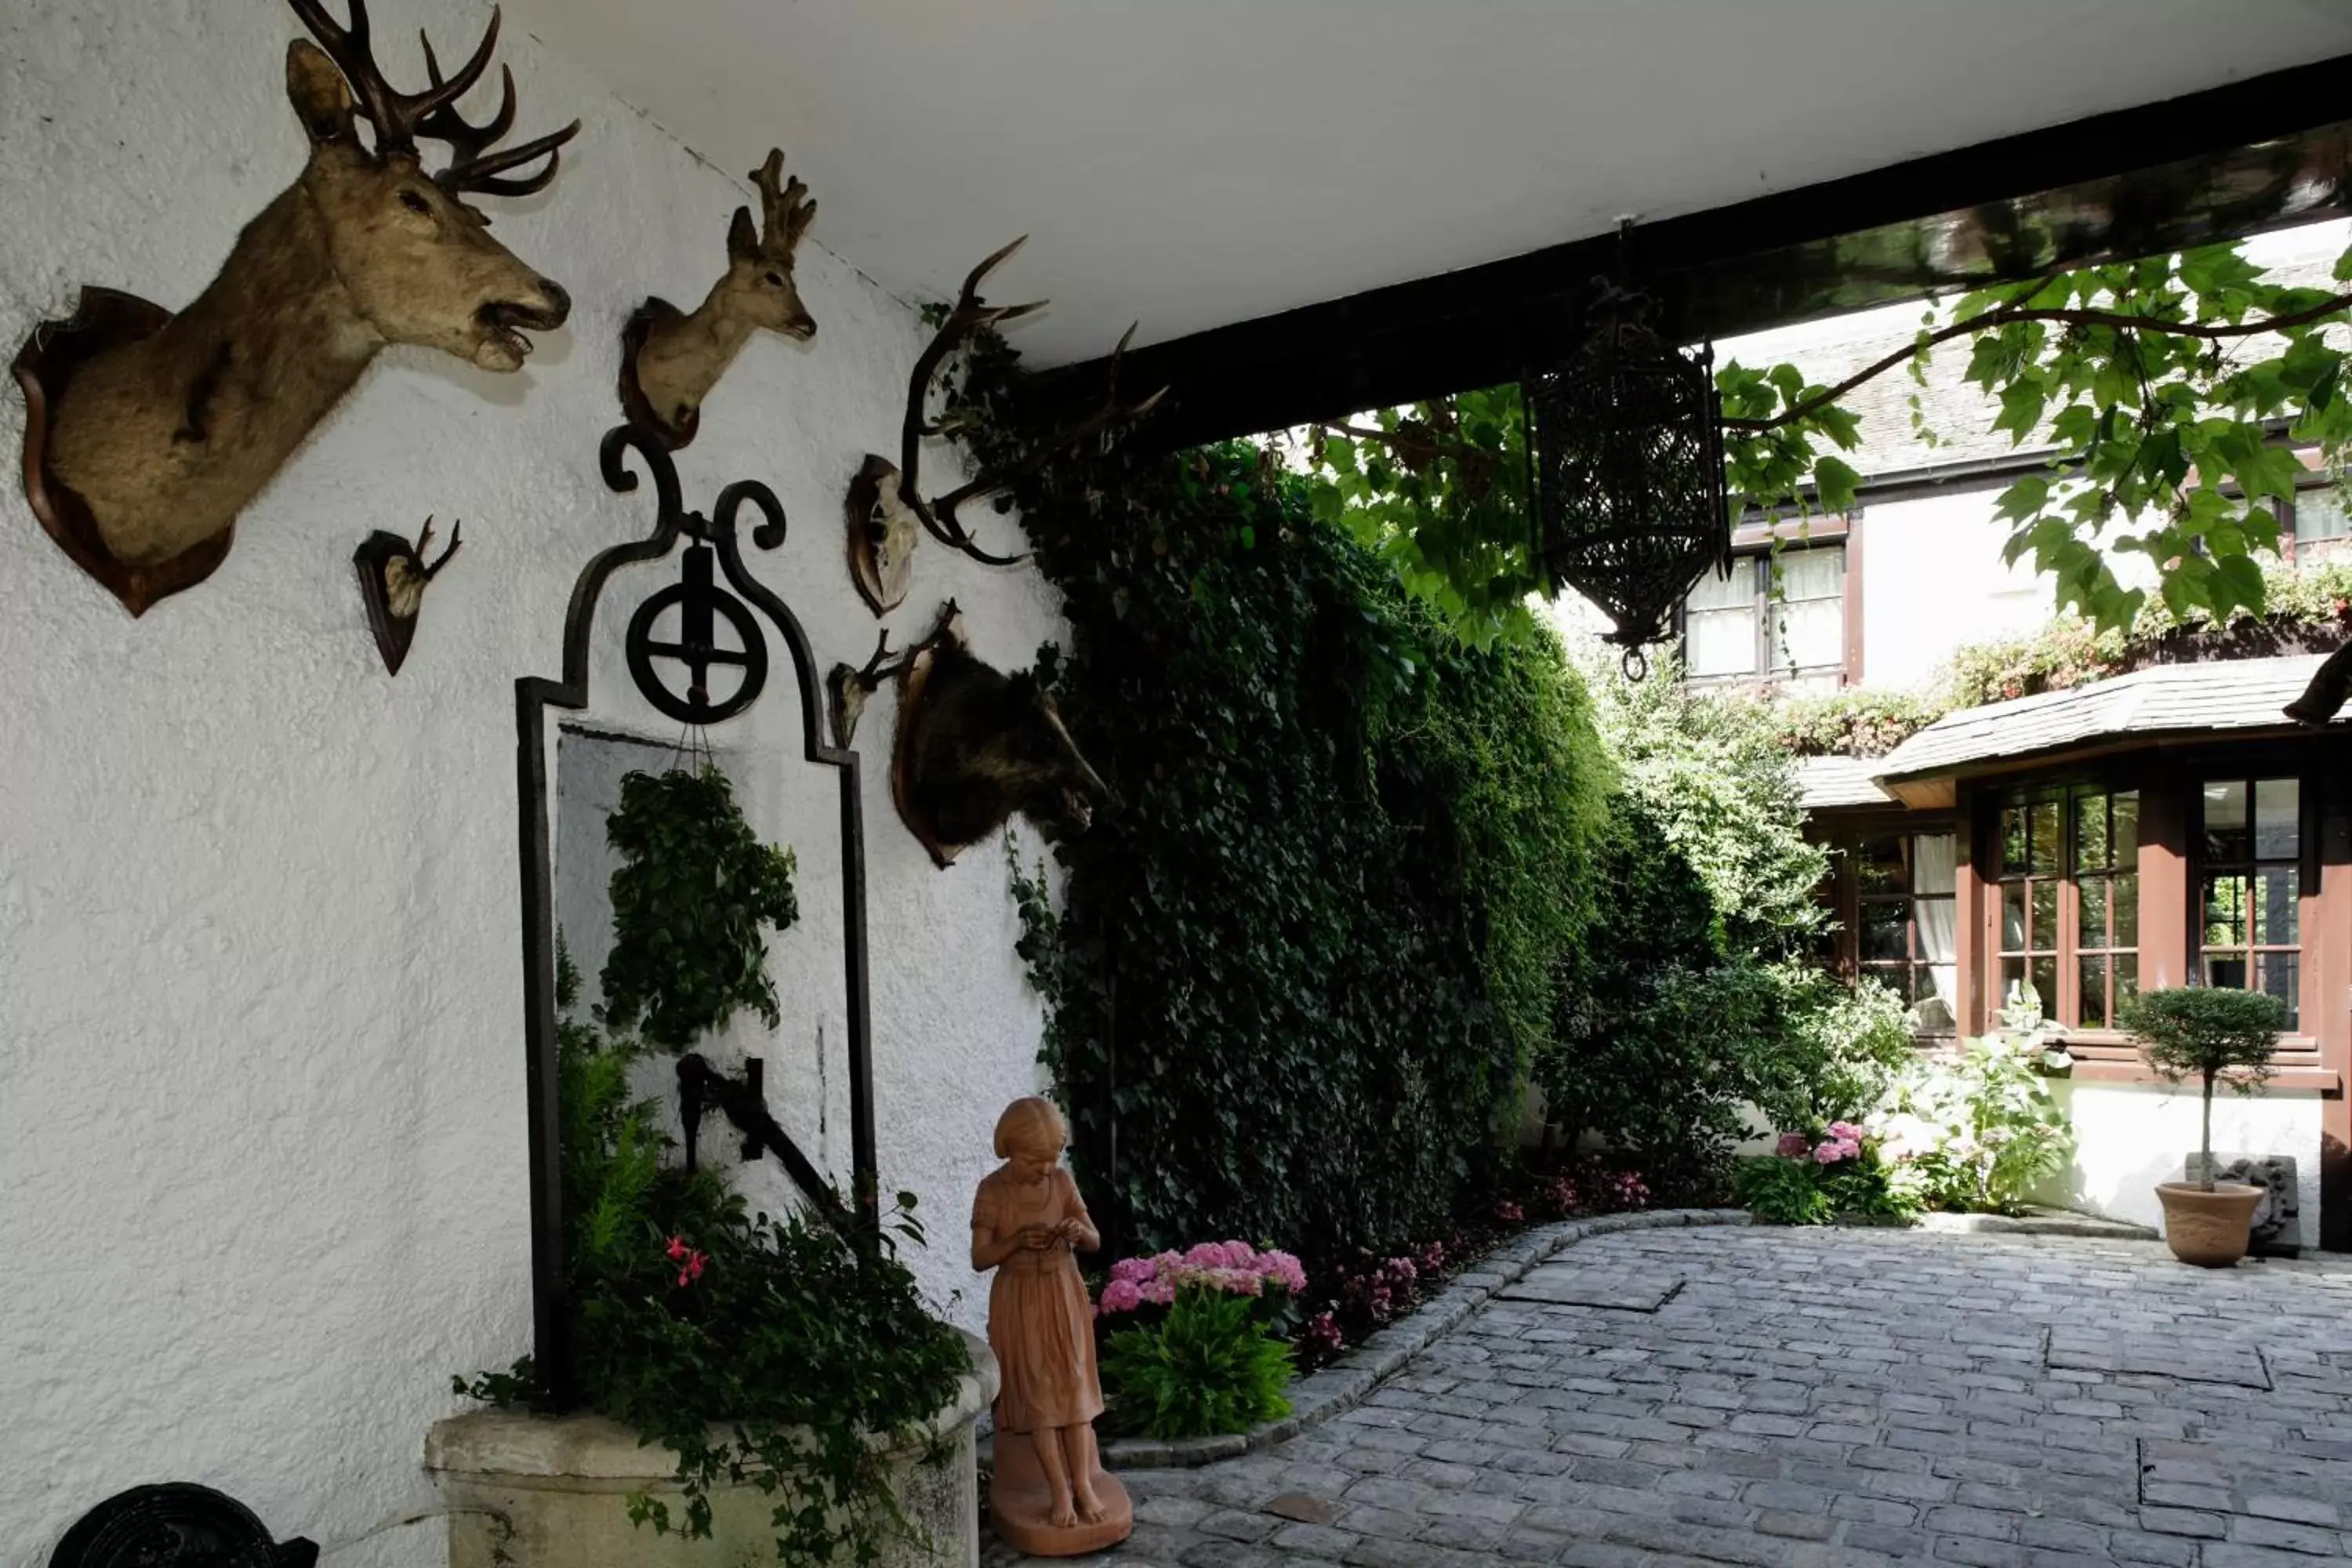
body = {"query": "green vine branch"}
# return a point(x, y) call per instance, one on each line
point(1990, 321)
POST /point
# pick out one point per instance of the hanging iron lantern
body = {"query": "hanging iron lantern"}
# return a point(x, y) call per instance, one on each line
point(1626, 451)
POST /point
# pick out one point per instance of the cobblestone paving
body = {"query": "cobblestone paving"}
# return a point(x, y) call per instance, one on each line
point(1818, 1399)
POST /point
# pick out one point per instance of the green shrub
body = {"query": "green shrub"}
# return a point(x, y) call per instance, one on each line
point(1211, 1366)
point(2207, 1032)
point(1782, 1192)
point(1977, 1132)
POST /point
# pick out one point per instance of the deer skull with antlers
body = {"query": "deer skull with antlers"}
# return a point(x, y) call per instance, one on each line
point(671, 360)
point(148, 433)
point(886, 504)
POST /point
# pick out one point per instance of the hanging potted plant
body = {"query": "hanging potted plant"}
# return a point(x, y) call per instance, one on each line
point(809, 1401)
point(2212, 1033)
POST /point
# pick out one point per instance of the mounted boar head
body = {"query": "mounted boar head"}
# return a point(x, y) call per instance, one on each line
point(670, 361)
point(974, 746)
point(157, 441)
point(887, 503)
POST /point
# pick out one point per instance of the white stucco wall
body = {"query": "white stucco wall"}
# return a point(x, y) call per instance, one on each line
point(2129, 1137)
point(1932, 579)
point(262, 1177)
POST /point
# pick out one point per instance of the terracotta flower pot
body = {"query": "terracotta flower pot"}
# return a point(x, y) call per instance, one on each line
point(2209, 1229)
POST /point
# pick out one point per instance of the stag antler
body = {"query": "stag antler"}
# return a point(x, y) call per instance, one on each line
point(786, 212)
point(400, 118)
point(970, 314)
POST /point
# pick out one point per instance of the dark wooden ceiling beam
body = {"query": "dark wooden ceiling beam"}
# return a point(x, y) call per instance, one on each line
point(2258, 155)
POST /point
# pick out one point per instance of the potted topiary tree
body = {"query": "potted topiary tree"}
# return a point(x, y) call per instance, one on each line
point(2210, 1032)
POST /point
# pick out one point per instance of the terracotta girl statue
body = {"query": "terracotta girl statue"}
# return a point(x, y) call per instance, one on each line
point(1050, 1496)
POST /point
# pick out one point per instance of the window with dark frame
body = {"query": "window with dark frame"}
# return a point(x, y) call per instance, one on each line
point(1908, 914)
point(2068, 881)
point(1735, 626)
point(2250, 886)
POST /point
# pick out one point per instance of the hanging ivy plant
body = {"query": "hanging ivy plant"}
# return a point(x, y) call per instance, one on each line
point(695, 888)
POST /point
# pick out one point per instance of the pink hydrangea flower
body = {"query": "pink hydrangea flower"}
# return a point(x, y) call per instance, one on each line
point(1827, 1154)
point(1134, 1270)
point(1121, 1295)
point(1793, 1146)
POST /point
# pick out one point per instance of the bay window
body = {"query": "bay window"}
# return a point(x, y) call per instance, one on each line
point(2068, 882)
point(2250, 886)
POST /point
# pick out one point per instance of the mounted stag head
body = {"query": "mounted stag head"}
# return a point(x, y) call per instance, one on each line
point(148, 433)
point(887, 501)
point(670, 361)
point(393, 576)
point(974, 746)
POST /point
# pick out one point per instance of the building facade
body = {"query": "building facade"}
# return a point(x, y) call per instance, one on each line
point(2166, 827)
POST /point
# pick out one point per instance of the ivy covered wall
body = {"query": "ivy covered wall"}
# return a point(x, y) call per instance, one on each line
point(1302, 969)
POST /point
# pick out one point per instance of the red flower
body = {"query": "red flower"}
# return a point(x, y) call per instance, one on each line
point(693, 1269)
point(677, 1248)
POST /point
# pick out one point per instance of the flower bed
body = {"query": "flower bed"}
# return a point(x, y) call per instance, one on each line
point(1179, 1359)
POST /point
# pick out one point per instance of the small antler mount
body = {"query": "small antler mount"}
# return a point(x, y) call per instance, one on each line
point(393, 575)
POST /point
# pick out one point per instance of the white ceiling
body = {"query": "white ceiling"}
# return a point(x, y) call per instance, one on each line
point(1192, 163)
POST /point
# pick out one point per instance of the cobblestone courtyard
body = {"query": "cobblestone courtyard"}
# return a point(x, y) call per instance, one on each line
point(1814, 1399)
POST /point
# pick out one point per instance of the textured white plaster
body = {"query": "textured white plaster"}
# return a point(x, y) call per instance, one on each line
point(262, 1154)
point(2129, 1137)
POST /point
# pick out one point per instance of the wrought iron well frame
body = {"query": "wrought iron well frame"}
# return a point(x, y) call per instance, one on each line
point(534, 696)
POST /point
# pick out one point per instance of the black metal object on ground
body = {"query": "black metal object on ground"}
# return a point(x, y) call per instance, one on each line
point(175, 1525)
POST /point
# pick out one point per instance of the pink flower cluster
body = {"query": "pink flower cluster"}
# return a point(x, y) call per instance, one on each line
point(1508, 1213)
point(1322, 1333)
point(1594, 1188)
point(1234, 1267)
point(1844, 1142)
point(1379, 1291)
point(690, 1262)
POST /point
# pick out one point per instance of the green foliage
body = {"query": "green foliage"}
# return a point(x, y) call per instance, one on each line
point(1349, 850)
point(1439, 488)
point(2133, 413)
point(1712, 779)
point(688, 1314)
point(1858, 723)
point(1842, 1050)
point(1211, 1366)
point(694, 888)
point(2207, 1031)
point(1439, 491)
point(1685, 1006)
point(1799, 1190)
point(1782, 1192)
point(1978, 1132)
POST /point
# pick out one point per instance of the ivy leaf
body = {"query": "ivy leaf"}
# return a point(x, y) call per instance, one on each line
point(1837, 482)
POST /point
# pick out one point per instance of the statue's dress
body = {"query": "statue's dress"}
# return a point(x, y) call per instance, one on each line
point(1040, 1323)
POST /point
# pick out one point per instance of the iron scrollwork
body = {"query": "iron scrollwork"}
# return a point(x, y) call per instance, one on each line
point(704, 597)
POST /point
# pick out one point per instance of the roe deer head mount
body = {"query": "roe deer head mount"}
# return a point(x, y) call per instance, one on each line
point(393, 575)
point(671, 360)
point(974, 746)
point(887, 503)
point(148, 433)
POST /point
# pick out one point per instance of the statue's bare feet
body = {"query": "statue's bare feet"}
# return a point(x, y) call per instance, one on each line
point(1090, 1507)
point(1064, 1515)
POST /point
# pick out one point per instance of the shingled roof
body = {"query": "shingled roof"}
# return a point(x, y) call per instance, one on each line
point(2163, 700)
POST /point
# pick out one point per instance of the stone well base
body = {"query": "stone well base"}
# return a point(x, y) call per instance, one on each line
point(534, 1492)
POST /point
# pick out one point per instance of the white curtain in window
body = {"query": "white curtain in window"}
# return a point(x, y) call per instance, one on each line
point(1808, 625)
point(1934, 861)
